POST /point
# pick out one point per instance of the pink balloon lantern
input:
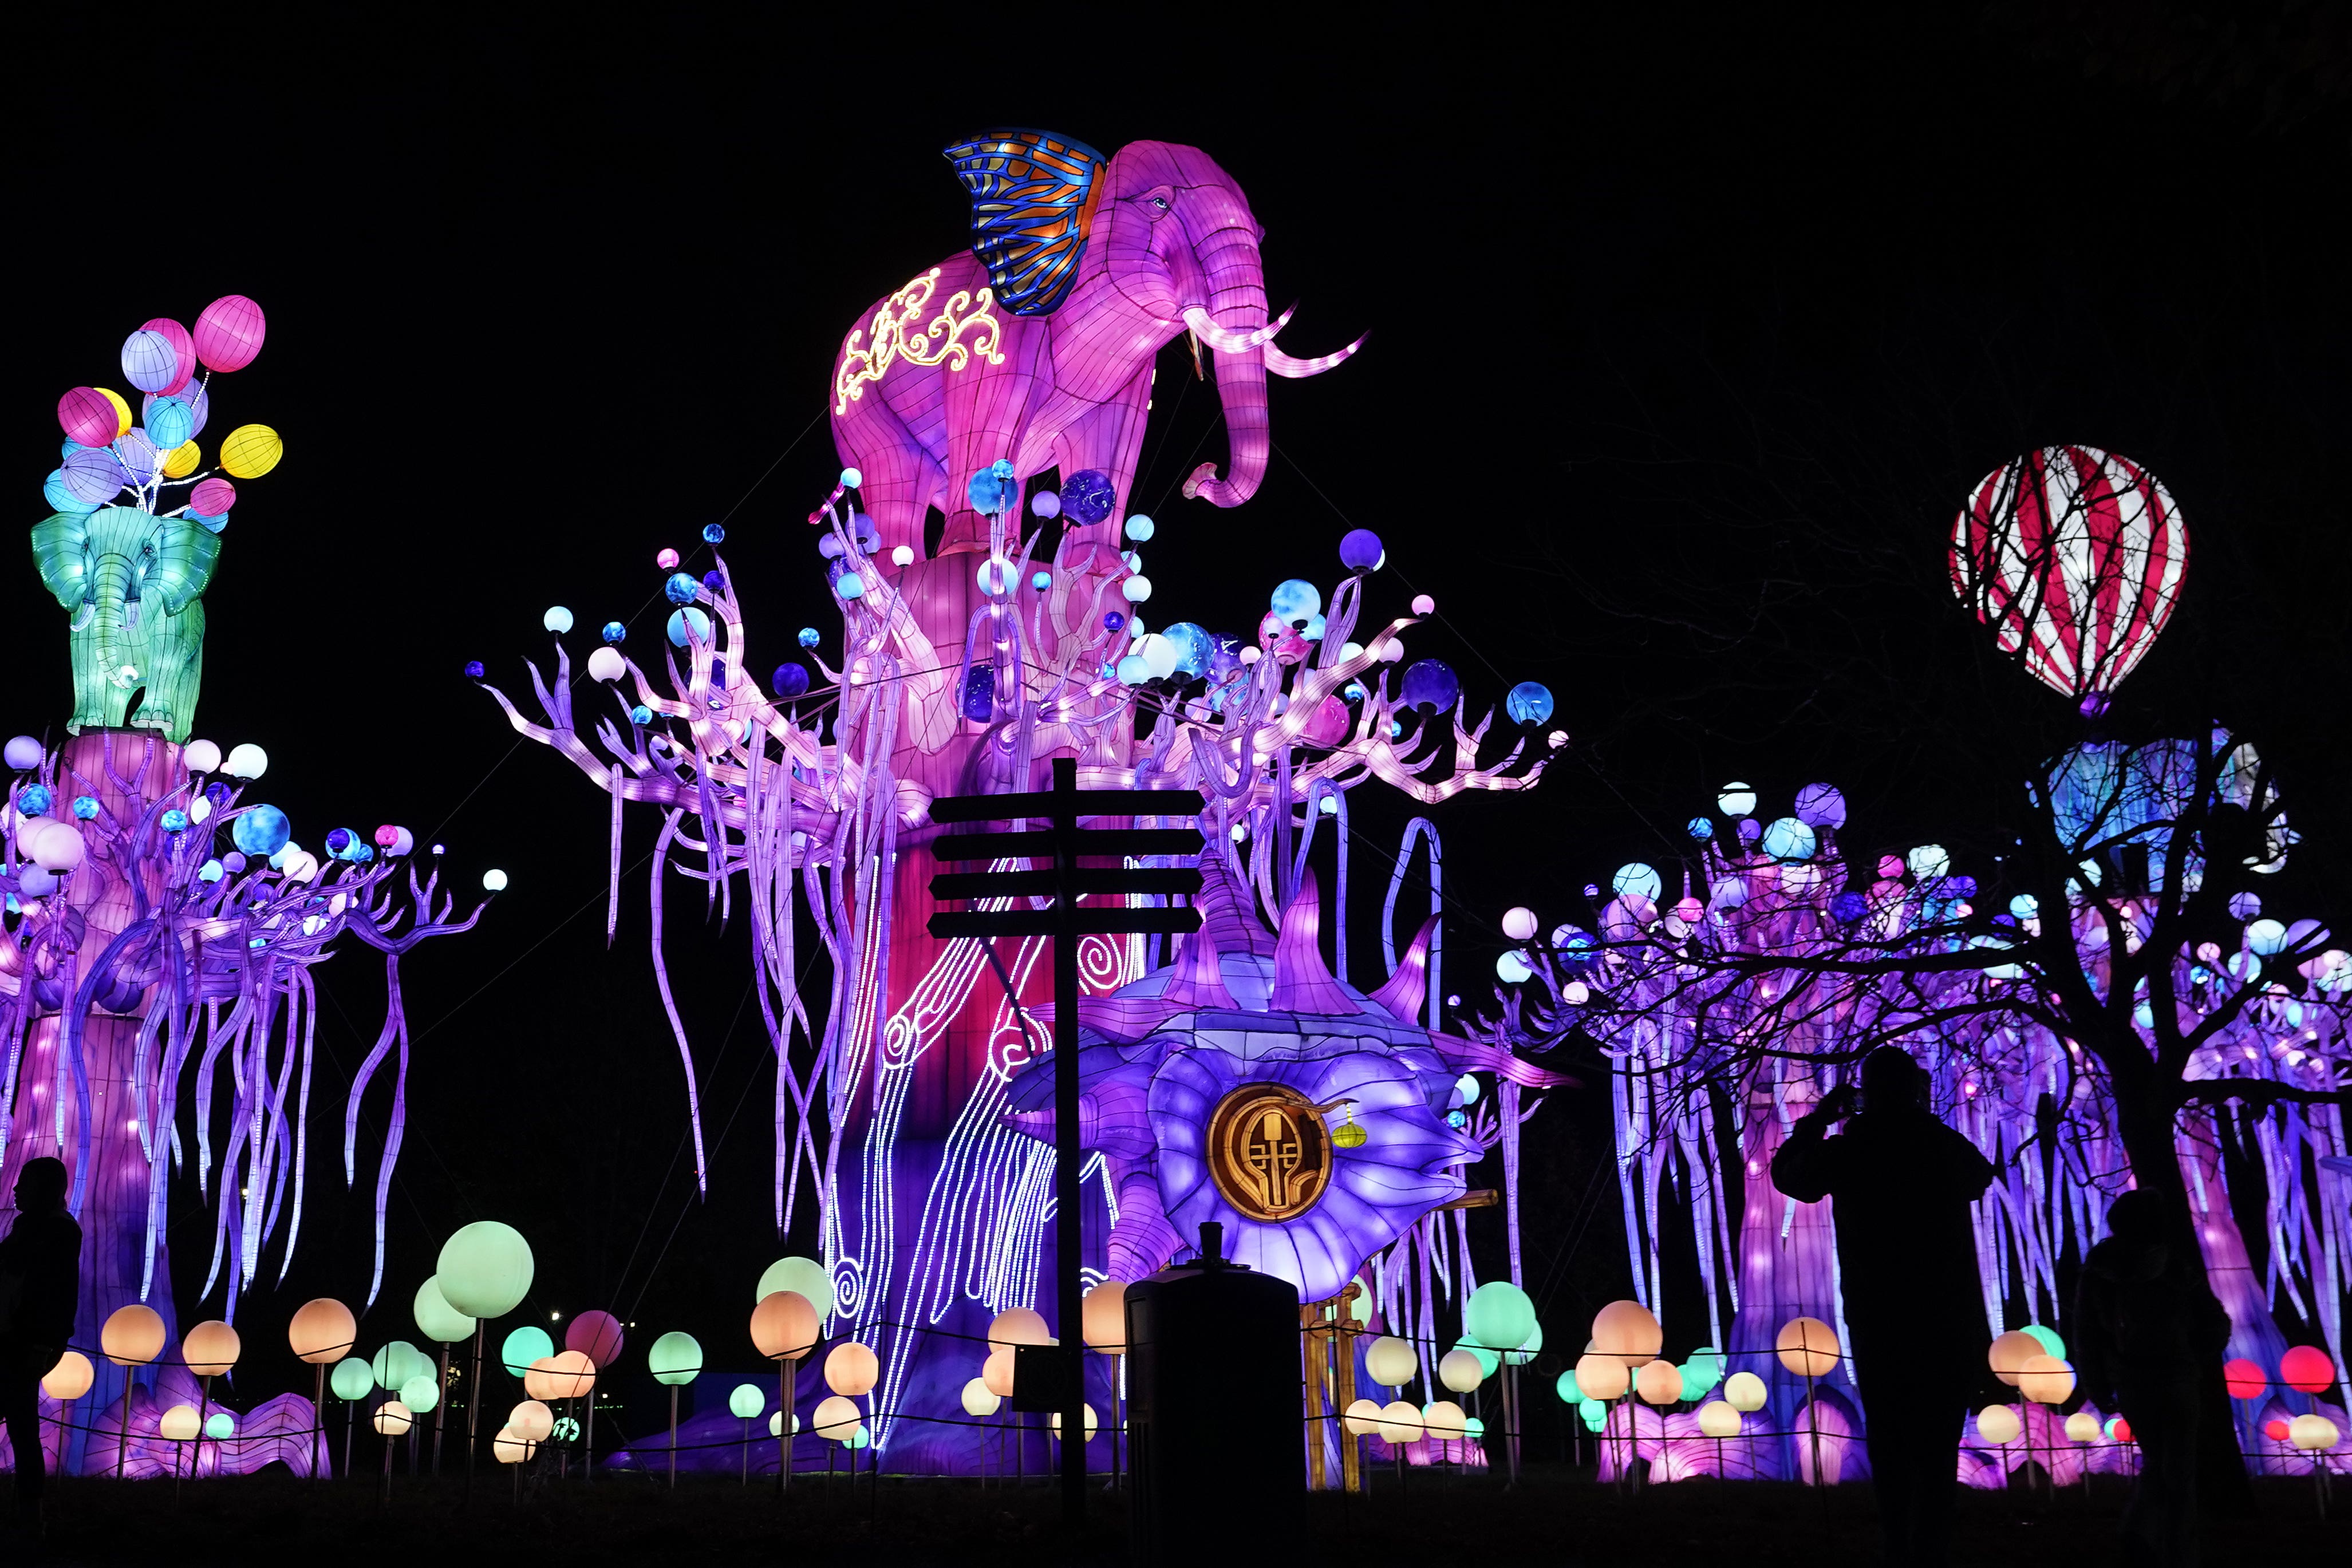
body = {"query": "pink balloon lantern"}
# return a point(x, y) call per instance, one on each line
point(183, 345)
point(596, 1335)
point(228, 334)
point(212, 498)
point(149, 360)
point(87, 416)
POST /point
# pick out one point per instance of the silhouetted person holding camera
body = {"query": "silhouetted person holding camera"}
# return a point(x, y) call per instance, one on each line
point(2148, 1330)
point(40, 1286)
point(1902, 1183)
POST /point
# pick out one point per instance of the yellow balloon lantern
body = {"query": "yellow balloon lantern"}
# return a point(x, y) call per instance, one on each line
point(852, 1369)
point(392, 1419)
point(1399, 1423)
point(784, 1326)
point(133, 1336)
point(1999, 1424)
point(996, 1371)
point(179, 1424)
point(1362, 1418)
point(250, 450)
point(1602, 1376)
point(322, 1331)
point(1745, 1391)
point(1659, 1383)
point(2045, 1380)
point(979, 1399)
point(70, 1379)
point(210, 1349)
point(1443, 1419)
point(1808, 1347)
point(2082, 1427)
point(1628, 1330)
point(1719, 1420)
point(2010, 1353)
point(512, 1448)
point(1053, 1423)
point(1018, 1325)
point(1390, 1362)
point(2312, 1432)
point(1104, 1318)
point(1460, 1371)
point(531, 1419)
point(834, 1417)
point(184, 460)
point(121, 410)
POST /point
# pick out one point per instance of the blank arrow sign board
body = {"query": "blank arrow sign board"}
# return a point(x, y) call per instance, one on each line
point(1053, 852)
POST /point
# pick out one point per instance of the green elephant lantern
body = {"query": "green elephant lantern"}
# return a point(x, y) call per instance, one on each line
point(133, 582)
point(125, 553)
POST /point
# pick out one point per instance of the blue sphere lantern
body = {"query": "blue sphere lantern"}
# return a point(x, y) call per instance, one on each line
point(714, 582)
point(991, 489)
point(808, 637)
point(473, 669)
point(1088, 496)
point(641, 715)
point(614, 632)
point(260, 830)
point(1041, 580)
point(175, 822)
point(1297, 600)
point(1700, 828)
point(682, 588)
point(1140, 529)
point(790, 681)
point(1530, 702)
point(1113, 621)
point(681, 622)
point(714, 533)
point(1360, 550)
point(1787, 838)
point(85, 806)
point(1429, 684)
point(34, 802)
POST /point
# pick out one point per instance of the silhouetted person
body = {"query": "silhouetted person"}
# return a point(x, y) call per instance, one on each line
point(2148, 1330)
point(1902, 1183)
point(40, 1286)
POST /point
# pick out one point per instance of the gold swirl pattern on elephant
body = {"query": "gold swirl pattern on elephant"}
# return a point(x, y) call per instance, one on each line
point(964, 326)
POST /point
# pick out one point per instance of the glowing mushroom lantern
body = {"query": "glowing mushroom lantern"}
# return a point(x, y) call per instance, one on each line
point(322, 1332)
point(852, 1369)
point(1808, 1347)
point(1103, 1320)
point(1390, 1362)
point(512, 1447)
point(531, 1419)
point(980, 1400)
point(210, 1349)
point(1460, 1371)
point(2312, 1432)
point(1659, 1383)
point(834, 1417)
point(1054, 1424)
point(676, 1360)
point(484, 1272)
point(180, 1423)
point(1362, 1418)
point(1999, 1424)
point(1628, 1330)
point(1443, 1420)
point(392, 1419)
point(70, 1379)
point(1602, 1376)
point(1745, 1391)
point(2082, 1427)
point(1399, 1423)
point(1719, 1420)
point(2046, 1380)
point(131, 1336)
point(2307, 1370)
point(784, 1329)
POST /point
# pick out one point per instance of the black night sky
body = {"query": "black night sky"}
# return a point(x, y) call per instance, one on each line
point(1686, 341)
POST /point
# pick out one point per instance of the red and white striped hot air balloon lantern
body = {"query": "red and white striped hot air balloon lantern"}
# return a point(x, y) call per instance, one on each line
point(2075, 557)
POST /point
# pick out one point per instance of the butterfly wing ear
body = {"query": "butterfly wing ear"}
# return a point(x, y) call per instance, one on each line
point(1034, 198)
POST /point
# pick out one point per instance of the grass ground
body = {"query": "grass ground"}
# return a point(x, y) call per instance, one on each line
point(1554, 1517)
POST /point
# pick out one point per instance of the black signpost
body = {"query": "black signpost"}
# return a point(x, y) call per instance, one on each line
point(1053, 852)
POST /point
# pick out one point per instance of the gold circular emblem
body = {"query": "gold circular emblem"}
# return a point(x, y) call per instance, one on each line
point(1267, 1152)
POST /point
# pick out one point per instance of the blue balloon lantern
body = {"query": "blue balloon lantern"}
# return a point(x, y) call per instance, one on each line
point(1787, 838)
point(1297, 600)
point(808, 637)
point(714, 533)
point(849, 585)
point(682, 588)
point(1635, 879)
point(1041, 580)
point(61, 498)
point(260, 830)
point(85, 806)
point(34, 802)
point(175, 821)
point(614, 632)
point(991, 489)
point(170, 422)
point(1429, 684)
point(1530, 702)
point(1360, 550)
point(1087, 496)
point(681, 620)
point(1192, 647)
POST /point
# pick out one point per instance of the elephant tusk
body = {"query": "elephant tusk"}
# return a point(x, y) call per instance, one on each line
point(1224, 339)
point(1281, 364)
point(83, 616)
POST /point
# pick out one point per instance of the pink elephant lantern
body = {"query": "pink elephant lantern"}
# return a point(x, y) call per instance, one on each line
point(1036, 346)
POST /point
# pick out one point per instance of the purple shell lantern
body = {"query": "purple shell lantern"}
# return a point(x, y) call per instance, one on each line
point(228, 334)
point(150, 361)
point(184, 348)
point(87, 417)
point(1360, 550)
point(1431, 683)
point(212, 497)
point(1087, 496)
